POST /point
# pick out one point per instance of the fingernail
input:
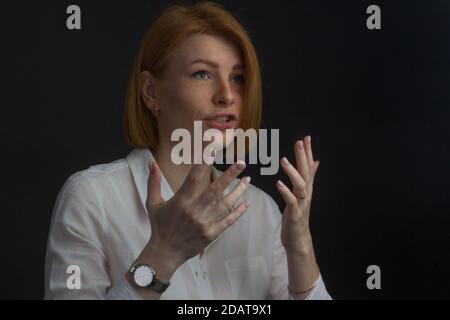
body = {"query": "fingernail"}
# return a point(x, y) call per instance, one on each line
point(300, 145)
point(285, 161)
point(308, 139)
point(247, 180)
point(240, 164)
point(247, 204)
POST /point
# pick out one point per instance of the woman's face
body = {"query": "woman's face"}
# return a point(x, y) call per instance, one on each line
point(204, 81)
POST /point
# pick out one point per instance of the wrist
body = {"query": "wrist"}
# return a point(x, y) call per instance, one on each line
point(301, 294)
point(161, 260)
point(302, 246)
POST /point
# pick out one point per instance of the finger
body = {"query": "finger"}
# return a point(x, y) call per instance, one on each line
point(215, 189)
point(315, 167)
point(226, 204)
point(221, 225)
point(308, 149)
point(299, 184)
point(191, 185)
point(314, 170)
point(301, 160)
point(289, 198)
point(154, 185)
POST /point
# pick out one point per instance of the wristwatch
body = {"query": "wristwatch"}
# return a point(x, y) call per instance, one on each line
point(144, 276)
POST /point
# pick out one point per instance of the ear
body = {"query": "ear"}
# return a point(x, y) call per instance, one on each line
point(148, 91)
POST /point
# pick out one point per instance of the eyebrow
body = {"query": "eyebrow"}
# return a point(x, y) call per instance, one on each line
point(213, 64)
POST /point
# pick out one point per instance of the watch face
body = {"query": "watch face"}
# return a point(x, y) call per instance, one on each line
point(143, 276)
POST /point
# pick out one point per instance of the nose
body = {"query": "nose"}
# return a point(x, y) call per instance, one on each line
point(224, 96)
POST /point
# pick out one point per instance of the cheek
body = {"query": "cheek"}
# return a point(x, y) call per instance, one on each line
point(239, 95)
point(181, 106)
point(187, 100)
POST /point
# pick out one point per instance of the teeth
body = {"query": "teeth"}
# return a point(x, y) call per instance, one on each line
point(222, 119)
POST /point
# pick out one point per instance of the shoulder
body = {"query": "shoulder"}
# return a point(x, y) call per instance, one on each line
point(86, 194)
point(96, 178)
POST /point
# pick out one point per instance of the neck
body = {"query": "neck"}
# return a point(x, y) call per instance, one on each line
point(175, 174)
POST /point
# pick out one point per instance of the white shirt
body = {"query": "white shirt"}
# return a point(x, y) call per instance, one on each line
point(100, 224)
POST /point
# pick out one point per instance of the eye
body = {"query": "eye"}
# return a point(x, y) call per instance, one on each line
point(238, 78)
point(202, 74)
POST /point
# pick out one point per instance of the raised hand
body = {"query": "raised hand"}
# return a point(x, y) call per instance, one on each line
point(184, 225)
point(295, 234)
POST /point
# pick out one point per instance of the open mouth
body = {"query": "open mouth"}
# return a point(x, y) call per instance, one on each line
point(222, 122)
point(223, 119)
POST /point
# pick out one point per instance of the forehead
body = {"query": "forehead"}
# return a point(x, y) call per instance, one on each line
point(203, 46)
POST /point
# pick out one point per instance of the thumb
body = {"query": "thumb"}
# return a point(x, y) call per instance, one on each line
point(154, 185)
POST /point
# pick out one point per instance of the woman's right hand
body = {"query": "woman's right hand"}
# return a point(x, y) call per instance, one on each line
point(184, 225)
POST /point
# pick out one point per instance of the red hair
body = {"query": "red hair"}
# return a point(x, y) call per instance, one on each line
point(167, 32)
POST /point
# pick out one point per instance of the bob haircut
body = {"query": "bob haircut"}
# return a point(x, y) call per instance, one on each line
point(168, 31)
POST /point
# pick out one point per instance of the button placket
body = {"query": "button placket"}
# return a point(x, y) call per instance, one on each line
point(202, 267)
point(201, 277)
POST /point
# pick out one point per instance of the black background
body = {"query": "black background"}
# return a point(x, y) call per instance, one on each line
point(376, 103)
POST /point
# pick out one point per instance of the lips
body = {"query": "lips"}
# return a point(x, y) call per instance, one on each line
point(222, 121)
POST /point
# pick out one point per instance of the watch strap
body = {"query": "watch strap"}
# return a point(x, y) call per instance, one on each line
point(159, 286)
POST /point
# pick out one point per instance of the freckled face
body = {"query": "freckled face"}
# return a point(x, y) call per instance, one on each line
point(204, 81)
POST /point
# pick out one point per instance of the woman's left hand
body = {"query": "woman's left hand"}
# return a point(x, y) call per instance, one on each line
point(295, 234)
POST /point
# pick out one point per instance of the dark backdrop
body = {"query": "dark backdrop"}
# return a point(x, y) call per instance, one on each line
point(376, 103)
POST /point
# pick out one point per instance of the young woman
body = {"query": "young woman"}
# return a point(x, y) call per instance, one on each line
point(145, 228)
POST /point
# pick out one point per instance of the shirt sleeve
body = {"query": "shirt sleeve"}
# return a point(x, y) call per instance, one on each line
point(76, 263)
point(279, 280)
point(319, 292)
point(122, 291)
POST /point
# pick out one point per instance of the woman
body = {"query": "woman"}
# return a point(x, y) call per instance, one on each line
point(145, 228)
